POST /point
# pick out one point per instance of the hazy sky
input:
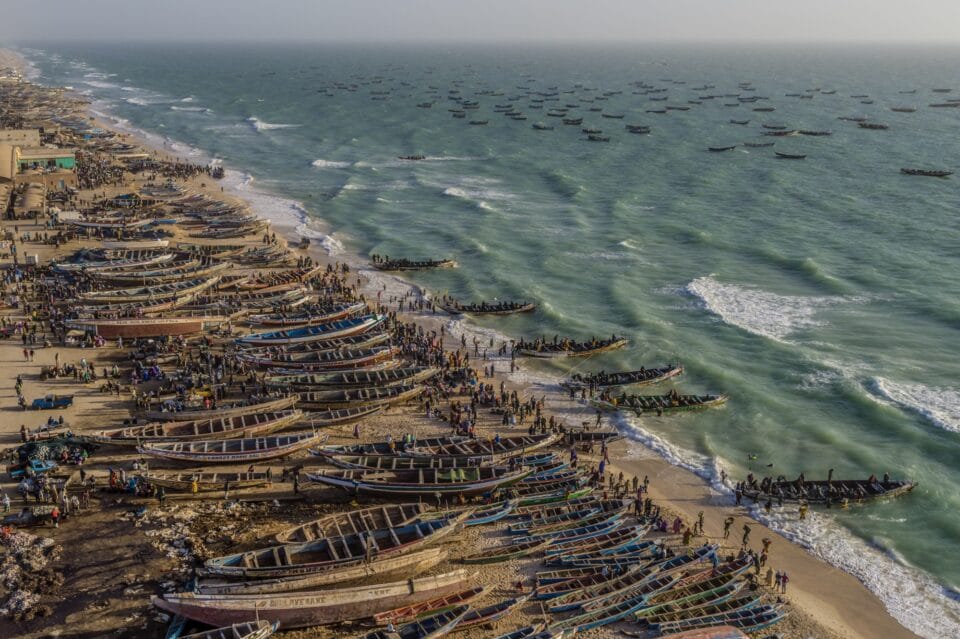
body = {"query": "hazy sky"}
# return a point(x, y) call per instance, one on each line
point(485, 20)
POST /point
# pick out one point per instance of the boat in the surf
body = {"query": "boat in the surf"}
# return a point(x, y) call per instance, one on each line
point(567, 347)
point(173, 411)
point(435, 625)
point(403, 264)
point(332, 330)
point(234, 451)
point(312, 607)
point(483, 308)
point(828, 491)
point(927, 172)
point(671, 402)
point(331, 553)
point(422, 482)
point(207, 481)
point(251, 425)
point(641, 377)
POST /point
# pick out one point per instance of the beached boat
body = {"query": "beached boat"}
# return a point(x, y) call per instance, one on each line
point(246, 630)
point(713, 632)
point(836, 491)
point(430, 606)
point(430, 627)
point(92, 266)
point(424, 482)
point(323, 418)
point(395, 462)
point(641, 377)
point(331, 553)
point(265, 405)
point(143, 327)
point(189, 269)
point(323, 315)
point(333, 330)
point(567, 348)
point(352, 522)
point(506, 552)
point(659, 404)
point(494, 448)
point(389, 448)
point(358, 397)
point(354, 379)
point(207, 481)
point(244, 426)
point(380, 567)
point(311, 608)
point(233, 451)
point(369, 339)
point(330, 360)
point(149, 293)
point(492, 613)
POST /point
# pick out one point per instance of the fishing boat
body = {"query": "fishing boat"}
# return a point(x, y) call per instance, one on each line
point(904, 109)
point(758, 145)
point(642, 377)
point(492, 613)
point(311, 608)
point(927, 172)
point(430, 627)
point(247, 630)
point(189, 269)
point(321, 360)
point(384, 448)
point(430, 606)
point(401, 264)
point(354, 379)
point(568, 348)
point(828, 491)
point(494, 448)
point(326, 553)
point(323, 418)
point(357, 398)
point(873, 126)
point(483, 308)
point(146, 327)
point(660, 404)
point(526, 632)
point(224, 410)
point(789, 156)
point(748, 619)
point(233, 451)
point(245, 426)
point(424, 482)
point(379, 567)
point(395, 462)
point(352, 522)
point(719, 149)
point(680, 612)
point(740, 122)
point(503, 553)
point(315, 316)
point(713, 632)
point(333, 330)
point(149, 293)
point(207, 481)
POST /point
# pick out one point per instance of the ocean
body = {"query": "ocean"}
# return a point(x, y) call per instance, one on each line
point(822, 295)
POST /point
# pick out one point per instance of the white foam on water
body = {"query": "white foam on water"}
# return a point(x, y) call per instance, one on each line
point(260, 125)
point(99, 84)
point(940, 406)
point(757, 311)
point(630, 244)
point(189, 98)
point(330, 164)
point(138, 101)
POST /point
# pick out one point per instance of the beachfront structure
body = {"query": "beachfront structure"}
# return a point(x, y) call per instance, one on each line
point(22, 152)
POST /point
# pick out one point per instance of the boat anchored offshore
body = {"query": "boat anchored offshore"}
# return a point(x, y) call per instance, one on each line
point(927, 172)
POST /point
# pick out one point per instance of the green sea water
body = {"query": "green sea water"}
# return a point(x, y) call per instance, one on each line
point(822, 295)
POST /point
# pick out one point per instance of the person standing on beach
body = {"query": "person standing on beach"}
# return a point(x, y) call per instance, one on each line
point(699, 528)
point(783, 582)
point(746, 535)
point(727, 523)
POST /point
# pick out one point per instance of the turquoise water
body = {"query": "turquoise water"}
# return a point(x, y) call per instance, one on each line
point(822, 295)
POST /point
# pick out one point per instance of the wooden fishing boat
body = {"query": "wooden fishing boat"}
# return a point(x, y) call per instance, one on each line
point(642, 377)
point(189, 269)
point(789, 156)
point(492, 613)
point(525, 633)
point(394, 462)
point(333, 330)
point(331, 360)
point(720, 149)
point(483, 308)
point(494, 448)
point(326, 553)
point(246, 630)
point(315, 316)
point(355, 379)
point(750, 618)
point(677, 612)
point(150, 293)
point(352, 522)
point(93, 266)
point(430, 606)
point(363, 340)
point(593, 577)
point(356, 398)
point(502, 553)
point(610, 540)
point(136, 327)
point(533, 512)
point(713, 589)
point(426, 483)
point(570, 349)
point(834, 491)
point(311, 608)
point(539, 495)
point(402, 264)
point(430, 627)
point(603, 509)
point(207, 481)
point(714, 632)
point(577, 534)
point(320, 419)
point(232, 451)
point(404, 564)
point(601, 617)
point(224, 410)
point(927, 172)
point(383, 448)
point(244, 426)
point(659, 404)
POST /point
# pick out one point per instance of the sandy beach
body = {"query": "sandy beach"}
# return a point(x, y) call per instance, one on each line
point(110, 557)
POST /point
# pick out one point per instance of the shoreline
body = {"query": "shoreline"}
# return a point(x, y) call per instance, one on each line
point(844, 605)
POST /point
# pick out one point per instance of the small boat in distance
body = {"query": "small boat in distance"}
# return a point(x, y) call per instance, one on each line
point(873, 126)
point(790, 156)
point(540, 126)
point(411, 157)
point(926, 172)
point(758, 145)
point(719, 149)
point(740, 122)
point(904, 109)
